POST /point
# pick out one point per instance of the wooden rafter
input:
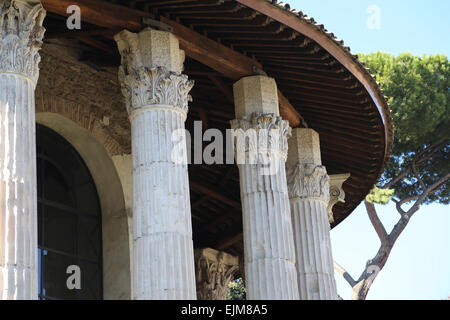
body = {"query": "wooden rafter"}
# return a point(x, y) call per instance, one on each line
point(228, 241)
point(204, 118)
point(220, 58)
point(101, 14)
point(107, 33)
point(93, 43)
point(228, 94)
point(227, 176)
point(213, 194)
point(221, 218)
point(199, 202)
point(266, 8)
point(317, 73)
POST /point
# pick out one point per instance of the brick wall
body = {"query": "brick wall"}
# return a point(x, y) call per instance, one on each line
point(89, 97)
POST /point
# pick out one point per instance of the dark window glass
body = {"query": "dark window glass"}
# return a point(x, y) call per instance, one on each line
point(61, 229)
point(69, 220)
point(54, 276)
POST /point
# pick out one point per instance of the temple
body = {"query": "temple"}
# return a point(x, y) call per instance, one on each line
point(159, 149)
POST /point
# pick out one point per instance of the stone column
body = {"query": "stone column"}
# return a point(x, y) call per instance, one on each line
point(21, 35)
point(309, 194)
point(268, 240)
point(214, 271)
point(156, 95)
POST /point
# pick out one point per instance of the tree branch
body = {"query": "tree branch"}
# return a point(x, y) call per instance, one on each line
point(376, 222)
point(397, 178)
point(414, 169)
point(417, 160)
point(434, 146)
point(409, 199)
point(345, 274)
point(425, 194)
point(374, 266)
point(398, 206)
point(406, 216)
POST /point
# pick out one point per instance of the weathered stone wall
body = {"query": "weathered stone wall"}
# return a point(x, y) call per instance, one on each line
point(89, 97)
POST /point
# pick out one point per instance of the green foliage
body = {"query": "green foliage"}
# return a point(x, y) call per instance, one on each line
point(418, 92)
point(380, 196)
point(236, 290)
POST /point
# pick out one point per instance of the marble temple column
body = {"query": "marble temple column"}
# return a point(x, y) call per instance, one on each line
point(309, 194)
point(261, 150)
point(21, 35)
point(156, 94)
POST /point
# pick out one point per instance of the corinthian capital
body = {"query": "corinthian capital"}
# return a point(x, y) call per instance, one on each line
point(150, 72)
point(155, 86)
point(308, 181)
point(261, 134)
point(21, 34)
point(214, 270)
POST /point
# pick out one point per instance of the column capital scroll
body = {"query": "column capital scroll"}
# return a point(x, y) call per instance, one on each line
point(337, 193)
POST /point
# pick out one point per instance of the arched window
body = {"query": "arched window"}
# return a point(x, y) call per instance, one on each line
point(69, 221)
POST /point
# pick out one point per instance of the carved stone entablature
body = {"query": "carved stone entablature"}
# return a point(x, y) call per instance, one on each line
point(263, 134)
point(155, 86)
point(214, 270)
point(337, 193)
point(308, 181)
point(21, 34)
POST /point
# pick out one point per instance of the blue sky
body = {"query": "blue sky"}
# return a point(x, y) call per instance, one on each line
point(416, 26)
point(419, 265)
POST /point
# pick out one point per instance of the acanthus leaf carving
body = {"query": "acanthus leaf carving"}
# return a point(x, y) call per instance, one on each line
point(21, 34)
point(261, 134)
point(214, 270)
point(155, 86)
point(308, 181)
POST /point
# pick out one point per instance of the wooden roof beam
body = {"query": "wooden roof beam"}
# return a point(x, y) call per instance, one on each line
point(229, 241)
point(222, 59)
point(93, 43)
point(228, 215)
point(101, 14)
point(213, 194)
point(108, 33)
point(291, 20)
point(223, 88)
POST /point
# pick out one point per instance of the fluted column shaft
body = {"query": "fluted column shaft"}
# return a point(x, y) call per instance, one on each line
point(21, 33)
point(313, 250)
point(157, 100)
point(309, 189)
point(268, 239)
